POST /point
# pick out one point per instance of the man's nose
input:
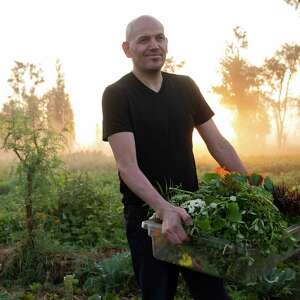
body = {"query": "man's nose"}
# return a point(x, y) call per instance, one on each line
point(153, 44)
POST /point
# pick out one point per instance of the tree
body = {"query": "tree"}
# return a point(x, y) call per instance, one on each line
point(24, 81)
point(60, 116)
point(171, 66)
point(23, 130)
point(278, 73)
point(294, 3)
point(240, 91)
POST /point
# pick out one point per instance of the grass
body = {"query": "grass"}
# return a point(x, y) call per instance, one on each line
point(54, 258)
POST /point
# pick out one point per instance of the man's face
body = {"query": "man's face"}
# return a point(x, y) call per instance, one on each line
point(147, 46)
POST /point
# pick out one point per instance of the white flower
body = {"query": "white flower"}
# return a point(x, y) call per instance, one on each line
point(195, 206)
point(232, 198)
point(197, 203)
point(213, 205)
point(191, 210)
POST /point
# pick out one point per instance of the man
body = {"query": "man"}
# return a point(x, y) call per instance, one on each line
point(148, 119)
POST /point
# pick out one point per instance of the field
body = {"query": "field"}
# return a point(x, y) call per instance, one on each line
point(80, 249)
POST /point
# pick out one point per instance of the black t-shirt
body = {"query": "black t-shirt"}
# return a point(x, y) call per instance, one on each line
point(162, 124)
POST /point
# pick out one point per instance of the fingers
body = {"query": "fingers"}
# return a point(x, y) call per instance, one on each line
point(172, 227)
point(176, 237)
point(175, 234)
point(185, 217)
point(173, 238)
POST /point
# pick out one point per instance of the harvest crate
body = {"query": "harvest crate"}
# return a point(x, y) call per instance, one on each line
point(215, 256)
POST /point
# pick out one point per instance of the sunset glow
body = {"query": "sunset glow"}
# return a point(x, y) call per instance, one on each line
point(86, 36)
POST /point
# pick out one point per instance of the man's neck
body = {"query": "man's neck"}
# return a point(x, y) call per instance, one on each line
point(151, 80)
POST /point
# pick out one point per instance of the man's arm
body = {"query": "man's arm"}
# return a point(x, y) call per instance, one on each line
point(123, 147)
point(221, 150)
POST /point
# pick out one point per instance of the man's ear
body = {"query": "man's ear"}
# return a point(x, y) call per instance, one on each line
point(126, 49)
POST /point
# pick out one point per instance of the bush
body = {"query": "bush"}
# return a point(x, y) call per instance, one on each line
point(5, 296)
point(79, 210)
point(4, 187)
point(110, 275)
point(85, 210)
point(25, 266)
point(9, 225)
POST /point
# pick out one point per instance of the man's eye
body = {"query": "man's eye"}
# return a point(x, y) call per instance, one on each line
point(143, 40)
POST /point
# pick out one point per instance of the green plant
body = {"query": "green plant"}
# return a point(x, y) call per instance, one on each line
point(4, 187)
point(229, 208)
point(110, 275)
point(10, 224)
point(79, 209)
point(277, 284)
point(69, 282)
point(25, 266)
point(5, 296)
point(35, 287)
point(243, 218)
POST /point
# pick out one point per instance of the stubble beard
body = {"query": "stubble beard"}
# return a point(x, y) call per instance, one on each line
point(152, 70)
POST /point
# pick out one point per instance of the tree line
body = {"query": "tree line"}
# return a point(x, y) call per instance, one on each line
point(259, 94)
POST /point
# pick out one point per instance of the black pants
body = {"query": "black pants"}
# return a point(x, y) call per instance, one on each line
point(158, 279)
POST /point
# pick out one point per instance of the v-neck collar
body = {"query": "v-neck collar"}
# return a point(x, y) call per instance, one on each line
point(146, 88)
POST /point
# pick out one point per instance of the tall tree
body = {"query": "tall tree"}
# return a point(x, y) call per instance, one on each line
point(23, 130)
point(59, 111)
point(278, 73)
point(240, 91)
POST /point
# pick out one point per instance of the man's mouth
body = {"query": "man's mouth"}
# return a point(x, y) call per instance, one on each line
point(154, 56)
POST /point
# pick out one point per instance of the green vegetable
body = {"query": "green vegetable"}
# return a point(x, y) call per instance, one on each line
point(230, 208)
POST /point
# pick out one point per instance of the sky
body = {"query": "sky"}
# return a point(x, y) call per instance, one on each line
point(86, 35)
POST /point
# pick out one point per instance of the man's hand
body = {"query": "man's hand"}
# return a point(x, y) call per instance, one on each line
point(172, 217)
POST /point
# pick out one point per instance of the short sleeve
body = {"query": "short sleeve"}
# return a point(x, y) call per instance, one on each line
point(115, 110)
point(200, 109)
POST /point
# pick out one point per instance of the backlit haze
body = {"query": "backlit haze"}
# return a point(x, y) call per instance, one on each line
point(86, 36)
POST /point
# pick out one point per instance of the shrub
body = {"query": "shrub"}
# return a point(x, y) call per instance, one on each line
point(110, 275)
point(9, 225)
point(4, 187)
point(79, 210)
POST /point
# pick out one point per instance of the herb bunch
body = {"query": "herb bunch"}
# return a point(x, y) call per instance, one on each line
point(230, 208)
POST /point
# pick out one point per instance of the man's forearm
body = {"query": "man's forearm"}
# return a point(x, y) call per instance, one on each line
point(171, 216)
point(138, 183)
point(227, 157)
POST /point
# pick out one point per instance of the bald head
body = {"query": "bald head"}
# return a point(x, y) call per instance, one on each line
point(146, 44)
point(141, 24)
